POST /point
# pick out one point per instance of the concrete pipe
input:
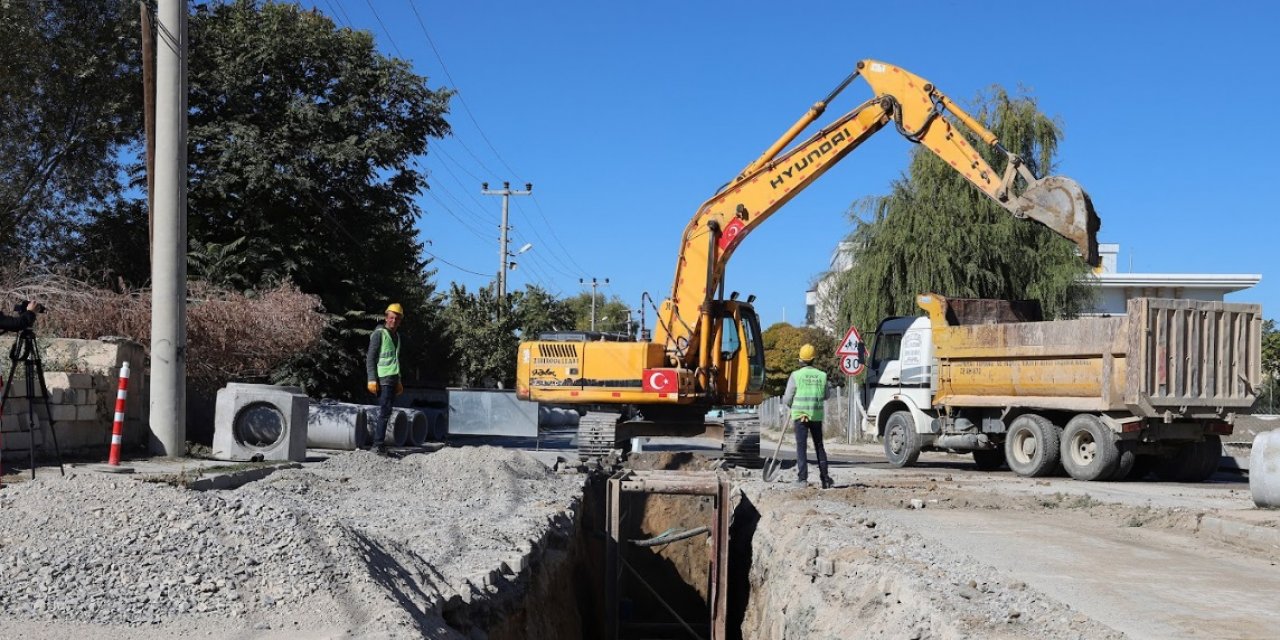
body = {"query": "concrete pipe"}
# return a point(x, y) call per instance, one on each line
point(336, 425)
point(435, 424)
point(397, 427)
point(418, 426)
point(1264, 469)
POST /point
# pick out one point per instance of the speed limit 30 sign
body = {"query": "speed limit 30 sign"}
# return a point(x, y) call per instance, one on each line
point(850, 352)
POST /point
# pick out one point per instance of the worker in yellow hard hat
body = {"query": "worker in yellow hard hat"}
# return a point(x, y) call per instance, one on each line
point(806, 395)
point(382, 363)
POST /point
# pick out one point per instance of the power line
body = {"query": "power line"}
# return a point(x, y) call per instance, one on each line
point(336, 18)
point(384, 29)
point(572, 264)
point(338, 3)
point(449, 211)
point(476, 273)
point(453, 82)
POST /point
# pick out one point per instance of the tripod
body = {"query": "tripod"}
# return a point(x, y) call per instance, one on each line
point(24, 350)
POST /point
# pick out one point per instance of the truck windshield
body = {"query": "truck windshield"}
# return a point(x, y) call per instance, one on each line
point(888, 349)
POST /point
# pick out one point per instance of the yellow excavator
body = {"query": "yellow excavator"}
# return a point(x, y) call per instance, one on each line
point(706, 350)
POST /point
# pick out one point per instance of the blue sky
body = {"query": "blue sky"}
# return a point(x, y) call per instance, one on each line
point(626, 116)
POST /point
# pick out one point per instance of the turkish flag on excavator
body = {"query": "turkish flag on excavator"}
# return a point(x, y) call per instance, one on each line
point(661, 381)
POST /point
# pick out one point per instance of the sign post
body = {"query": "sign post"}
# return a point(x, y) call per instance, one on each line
point(851, 363)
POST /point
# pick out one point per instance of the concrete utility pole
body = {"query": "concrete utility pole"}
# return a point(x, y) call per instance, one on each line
point(594, 284)
point(168, 251)
point(506, 194)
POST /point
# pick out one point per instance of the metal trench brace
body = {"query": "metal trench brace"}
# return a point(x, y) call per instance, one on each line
point(714, 484)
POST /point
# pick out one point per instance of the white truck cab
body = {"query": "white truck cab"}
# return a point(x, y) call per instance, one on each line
point(900, 379)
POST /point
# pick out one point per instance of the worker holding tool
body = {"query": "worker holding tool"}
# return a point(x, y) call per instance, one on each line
point(383, 367)
point(807, 390)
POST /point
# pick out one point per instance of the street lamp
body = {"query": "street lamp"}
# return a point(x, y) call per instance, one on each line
point(512, 265)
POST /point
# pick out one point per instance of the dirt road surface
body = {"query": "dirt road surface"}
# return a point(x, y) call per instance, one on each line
point(1146, 559)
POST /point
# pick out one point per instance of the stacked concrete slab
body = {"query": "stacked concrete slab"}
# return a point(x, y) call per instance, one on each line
point(82, 377)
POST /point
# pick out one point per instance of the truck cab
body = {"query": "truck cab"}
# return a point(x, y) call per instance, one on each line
point(900, 374)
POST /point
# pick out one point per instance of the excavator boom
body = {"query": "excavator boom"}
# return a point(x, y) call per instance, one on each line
point(920, 113)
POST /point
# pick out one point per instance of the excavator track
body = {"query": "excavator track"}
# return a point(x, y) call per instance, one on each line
point(742, 441)
point(597, 435)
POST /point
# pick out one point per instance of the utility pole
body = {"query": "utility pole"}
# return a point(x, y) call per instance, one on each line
point(506, 194)
point(594, 284)
point(168, 250)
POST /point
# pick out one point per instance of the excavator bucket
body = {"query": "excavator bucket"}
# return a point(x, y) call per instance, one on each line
point(1060, 204)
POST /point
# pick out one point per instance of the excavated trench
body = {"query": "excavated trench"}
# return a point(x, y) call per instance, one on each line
point(664, 588)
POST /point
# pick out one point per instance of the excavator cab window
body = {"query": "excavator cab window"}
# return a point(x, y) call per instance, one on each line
point(730, 343)
point(755, 347)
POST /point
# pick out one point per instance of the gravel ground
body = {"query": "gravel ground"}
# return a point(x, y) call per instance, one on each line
point(357, 546)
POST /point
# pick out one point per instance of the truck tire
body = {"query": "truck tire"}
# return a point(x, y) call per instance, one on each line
point(1089, 449)
point(1127, 460)
point(901, 442)
point(988, 459)
point(1031, 448)
point(1193, 462)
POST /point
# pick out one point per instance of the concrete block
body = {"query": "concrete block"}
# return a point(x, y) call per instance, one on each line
point(57, 380)
point(88, 413)
point(62, 412)
point(55, 395)
point(15, 406)
point(260, 421)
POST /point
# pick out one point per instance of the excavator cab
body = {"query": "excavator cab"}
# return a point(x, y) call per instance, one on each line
point(738, 360)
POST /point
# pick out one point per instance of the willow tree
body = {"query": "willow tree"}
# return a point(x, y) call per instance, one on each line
point(935, 232)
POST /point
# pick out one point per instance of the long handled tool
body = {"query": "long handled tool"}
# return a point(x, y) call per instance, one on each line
point(772, 464)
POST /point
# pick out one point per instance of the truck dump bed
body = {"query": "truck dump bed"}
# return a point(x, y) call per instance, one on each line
point(1176, 359)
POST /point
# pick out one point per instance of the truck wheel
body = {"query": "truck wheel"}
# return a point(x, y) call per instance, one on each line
point(1127, 460)
point(1031, 446)
point(901, 442)
point(988, 459)
point(1193, 462)
point(1089, 450)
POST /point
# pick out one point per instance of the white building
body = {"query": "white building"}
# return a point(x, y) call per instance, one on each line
point(1114, 288)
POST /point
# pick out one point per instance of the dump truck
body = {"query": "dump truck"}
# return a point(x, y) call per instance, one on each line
point(1106, 398)
point(706, 350)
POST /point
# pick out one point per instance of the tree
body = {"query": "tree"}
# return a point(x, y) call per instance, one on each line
point(538, 311)
point(485, 333)
point(935, 232)
point(301, 145)
point(70, 101)
point(611, 314)
point(782, 344)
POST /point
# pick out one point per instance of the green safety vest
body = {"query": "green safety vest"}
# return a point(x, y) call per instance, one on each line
point(811, 393)
point(389, 356)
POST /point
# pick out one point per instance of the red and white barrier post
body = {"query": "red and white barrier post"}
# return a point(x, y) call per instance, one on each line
point(117, 427)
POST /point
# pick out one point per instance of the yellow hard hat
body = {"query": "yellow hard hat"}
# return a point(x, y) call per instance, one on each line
point(806, 353)
point(395, 308)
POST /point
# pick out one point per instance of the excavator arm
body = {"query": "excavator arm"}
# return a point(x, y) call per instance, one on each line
point(919, 112)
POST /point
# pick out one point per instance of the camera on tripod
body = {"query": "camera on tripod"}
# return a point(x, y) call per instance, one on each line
point(22, 306)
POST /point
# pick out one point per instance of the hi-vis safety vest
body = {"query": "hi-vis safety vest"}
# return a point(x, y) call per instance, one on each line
point(389, 356)
point(811, 392)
